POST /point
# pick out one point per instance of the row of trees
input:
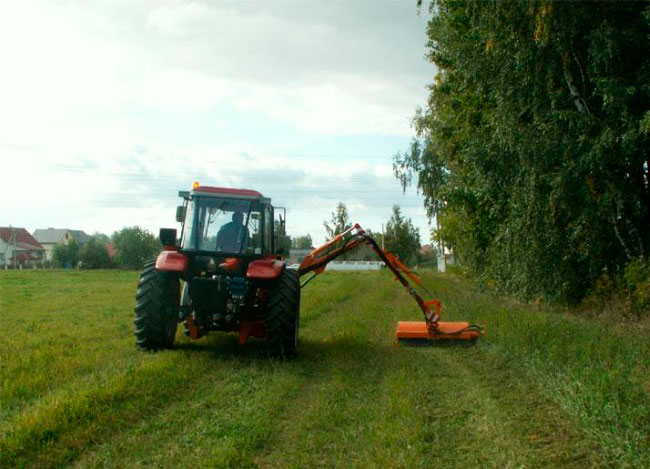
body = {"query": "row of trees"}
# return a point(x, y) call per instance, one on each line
point(533, 149)
point(133, 246)
point(92, 254)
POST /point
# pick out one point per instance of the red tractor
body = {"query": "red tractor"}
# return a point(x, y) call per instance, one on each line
point(235, 278)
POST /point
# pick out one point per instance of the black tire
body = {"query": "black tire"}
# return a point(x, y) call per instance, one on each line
point(283, 318)
point(156, 308)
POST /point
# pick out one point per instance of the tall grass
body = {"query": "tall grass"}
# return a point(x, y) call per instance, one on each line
point(598, 372)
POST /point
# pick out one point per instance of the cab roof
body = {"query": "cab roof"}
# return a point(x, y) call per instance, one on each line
point(225, 192)
point(228, 191)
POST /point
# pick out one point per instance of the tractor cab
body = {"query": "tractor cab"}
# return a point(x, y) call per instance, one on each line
point(231, 222)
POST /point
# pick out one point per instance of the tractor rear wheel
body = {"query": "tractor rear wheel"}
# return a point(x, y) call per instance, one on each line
point(283, 317)
point(156, 308)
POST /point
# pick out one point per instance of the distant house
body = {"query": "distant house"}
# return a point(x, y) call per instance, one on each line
point(19, 249)
point(426, 250)
point(50, 237)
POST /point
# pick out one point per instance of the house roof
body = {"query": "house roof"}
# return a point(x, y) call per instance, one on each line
point(19, 237)
point(28, 247)
point(56, 235)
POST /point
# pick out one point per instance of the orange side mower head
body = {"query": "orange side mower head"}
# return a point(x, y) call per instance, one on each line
point(432, 330)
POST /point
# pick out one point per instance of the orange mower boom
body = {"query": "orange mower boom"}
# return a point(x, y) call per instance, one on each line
point(408, 332)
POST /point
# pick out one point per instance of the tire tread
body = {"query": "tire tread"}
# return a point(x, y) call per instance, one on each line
point(156, 307)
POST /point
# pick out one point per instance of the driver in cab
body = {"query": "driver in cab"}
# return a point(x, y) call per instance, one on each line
point(234, 235)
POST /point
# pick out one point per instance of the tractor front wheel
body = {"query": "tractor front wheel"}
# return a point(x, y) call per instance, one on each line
point(156, 308)
point(284, 315)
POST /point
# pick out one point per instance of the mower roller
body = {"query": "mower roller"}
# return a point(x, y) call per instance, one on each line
point(226, 273)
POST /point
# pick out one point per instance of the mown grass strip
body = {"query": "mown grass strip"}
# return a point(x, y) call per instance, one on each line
point(222, 420)
point(60, 427)
point(230, 414)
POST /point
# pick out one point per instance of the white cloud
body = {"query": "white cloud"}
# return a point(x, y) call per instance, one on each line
point(140, 188)
point(344, 106)
point(109, 108)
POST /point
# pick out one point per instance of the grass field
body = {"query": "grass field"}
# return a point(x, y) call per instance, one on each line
point(542, 389)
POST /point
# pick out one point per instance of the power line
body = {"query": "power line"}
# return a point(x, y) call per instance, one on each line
point(265, 179)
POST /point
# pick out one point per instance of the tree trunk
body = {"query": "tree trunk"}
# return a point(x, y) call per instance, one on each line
point(579, 102)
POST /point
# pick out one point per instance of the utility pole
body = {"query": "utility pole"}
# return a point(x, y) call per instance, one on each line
point(13, 231)
point(442, 261)
point(4, 254)
point(12, 242)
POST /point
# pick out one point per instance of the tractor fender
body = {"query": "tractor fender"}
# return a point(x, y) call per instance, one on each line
point(171, 261)
point(265, 269)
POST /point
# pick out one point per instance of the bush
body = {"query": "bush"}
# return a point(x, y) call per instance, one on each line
point(134, 246)
point(626, 294)
point(93, 254)
point(65, 255)
point(636, 282)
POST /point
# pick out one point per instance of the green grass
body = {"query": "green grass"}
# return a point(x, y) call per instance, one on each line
point(541, 389)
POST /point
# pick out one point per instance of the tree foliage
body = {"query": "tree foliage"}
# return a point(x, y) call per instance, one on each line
point(364, 252)
point(134, 246)
point(401, 237)
point(93, 254)
point(534, 146)
point(65, 255)
point(339, 222)
point(302, 242)
point(101, 237)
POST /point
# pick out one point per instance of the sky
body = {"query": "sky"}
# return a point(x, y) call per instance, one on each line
point(109, 108)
